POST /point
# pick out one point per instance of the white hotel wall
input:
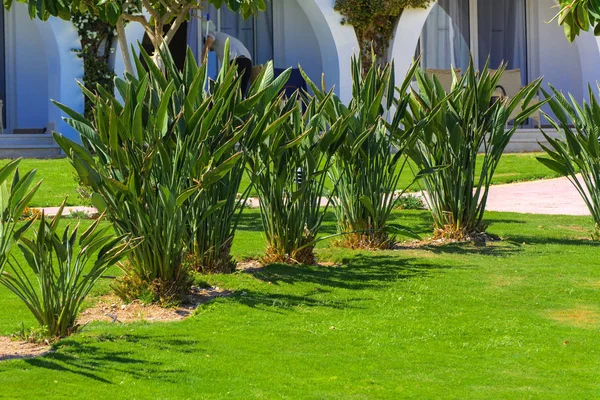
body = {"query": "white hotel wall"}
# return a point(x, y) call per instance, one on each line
point(41, 65)
point(567, 66)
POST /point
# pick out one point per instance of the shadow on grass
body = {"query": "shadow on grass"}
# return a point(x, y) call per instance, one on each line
point(278, 303)
point(519, 240)
point(494, 249)
point(357, 272)
point(92, 360)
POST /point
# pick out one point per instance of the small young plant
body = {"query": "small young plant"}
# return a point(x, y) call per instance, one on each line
point(461, 124)
point(289, 172)
point(60, 270)
point(577, 156)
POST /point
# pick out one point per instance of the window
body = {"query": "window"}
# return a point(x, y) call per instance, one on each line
point(488, 28)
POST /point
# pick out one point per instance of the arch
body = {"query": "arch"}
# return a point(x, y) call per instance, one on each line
point(406, 37)
point(337, 44)
point(64, 69)
point(410, 25)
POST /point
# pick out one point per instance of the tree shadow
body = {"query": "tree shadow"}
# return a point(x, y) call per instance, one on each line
point(493, 249)
point(280, 303)
point(358, 272)
point(519, 240)
point(90, 359)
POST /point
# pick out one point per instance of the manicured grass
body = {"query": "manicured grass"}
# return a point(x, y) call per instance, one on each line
point(515, 319)
point(59, 181)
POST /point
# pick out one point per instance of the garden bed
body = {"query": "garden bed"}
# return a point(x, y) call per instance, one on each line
point(12, 349)
point(110, 308)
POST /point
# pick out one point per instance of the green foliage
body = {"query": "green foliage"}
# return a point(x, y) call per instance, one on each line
point(169, 162)
point(579, 152)
point(59, 276)
point(289, 172)
point(150, 162)
point(110, 11)
point(579, 15)
point(461, 124)
point(14, 199)
point(374, 22)
point(234, 127)
point(96, 38)
point(368, 164)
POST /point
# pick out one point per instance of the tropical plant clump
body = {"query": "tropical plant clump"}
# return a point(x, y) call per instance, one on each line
point(577, 155)
point(156, 161)
point(374, 22)
point(61, 269)
point(469, 120)
point(289, 171)
point(368, 164)
point(235, 126)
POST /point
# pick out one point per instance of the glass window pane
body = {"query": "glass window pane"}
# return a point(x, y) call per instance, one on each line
point(503, 34)
point(445, 38)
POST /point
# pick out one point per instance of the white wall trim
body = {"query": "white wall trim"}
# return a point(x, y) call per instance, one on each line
point(337, 42)
point(406, 37)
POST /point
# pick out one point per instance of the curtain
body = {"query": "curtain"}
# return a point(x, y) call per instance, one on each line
point(503, 34)
point(446, 36)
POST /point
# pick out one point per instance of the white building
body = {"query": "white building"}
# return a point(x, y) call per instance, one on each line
point(39, 62)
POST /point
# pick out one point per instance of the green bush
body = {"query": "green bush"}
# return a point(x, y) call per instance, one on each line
point(149, 162)
point(58, 277)
point(168, 164)
point(289, 171)
point(579, 151)
point(369, 162)
point(461, 124)
point(236, 125)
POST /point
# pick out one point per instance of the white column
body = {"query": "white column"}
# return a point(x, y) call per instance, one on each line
point(337, 44)
point(406, 37)
point(64, 69)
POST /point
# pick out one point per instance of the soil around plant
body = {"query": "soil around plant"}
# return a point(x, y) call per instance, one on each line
point(11, 349)
point(111, 308)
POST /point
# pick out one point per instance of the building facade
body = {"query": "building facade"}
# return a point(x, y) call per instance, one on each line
point(40, 64)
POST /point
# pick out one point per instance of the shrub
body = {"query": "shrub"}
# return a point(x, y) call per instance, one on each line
point(579, 151)
point(289, 172)
point(461, 124)
point(237, 126)
point(59, 277)
point(149, 162)
point(369, 162)
point(161, 157)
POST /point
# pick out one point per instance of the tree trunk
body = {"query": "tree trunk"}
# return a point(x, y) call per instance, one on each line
point(124, 46)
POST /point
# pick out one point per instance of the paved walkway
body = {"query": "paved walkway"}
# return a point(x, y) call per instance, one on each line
point(551, 196)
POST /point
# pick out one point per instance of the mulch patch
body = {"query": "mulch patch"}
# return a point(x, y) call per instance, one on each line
point(13, 349)
point(110, 308)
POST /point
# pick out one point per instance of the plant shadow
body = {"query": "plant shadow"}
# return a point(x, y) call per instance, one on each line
point(89, 358)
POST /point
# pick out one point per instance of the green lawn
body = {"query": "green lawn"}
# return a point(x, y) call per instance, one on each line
point(60, 182)
point(516, 319)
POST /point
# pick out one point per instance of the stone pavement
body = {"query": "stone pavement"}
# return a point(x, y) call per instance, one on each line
point(550, 196)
